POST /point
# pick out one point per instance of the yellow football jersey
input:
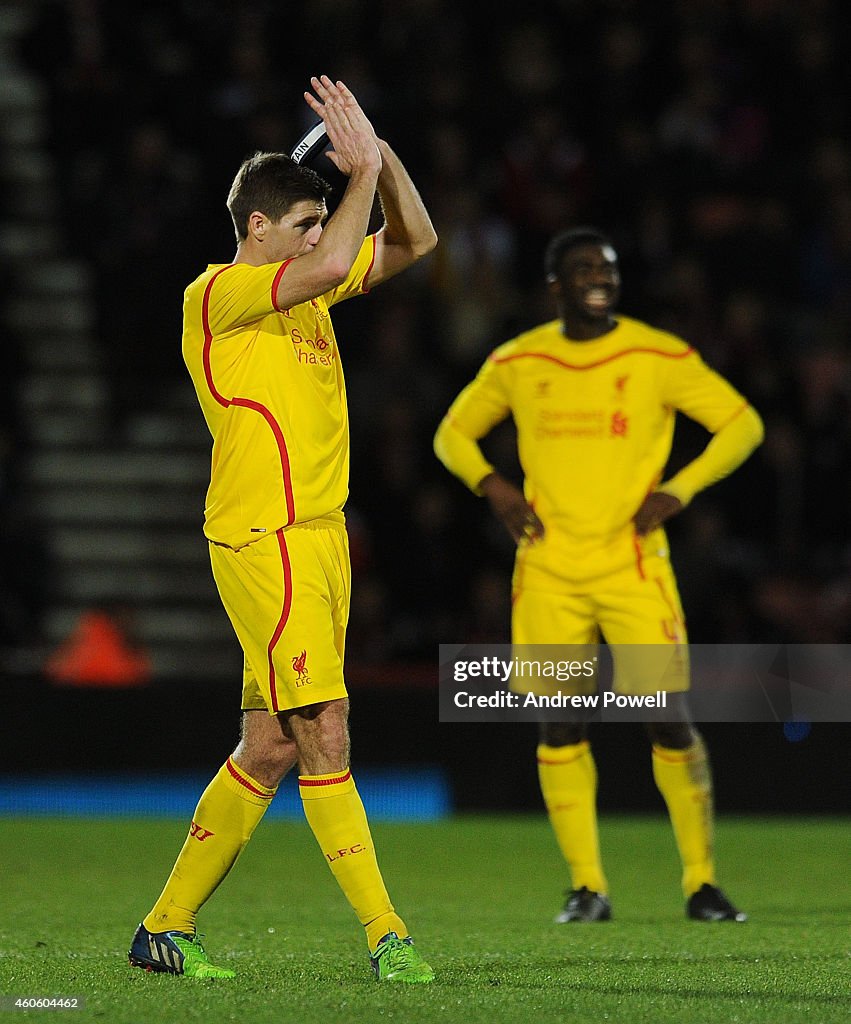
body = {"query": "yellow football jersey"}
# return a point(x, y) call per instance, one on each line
point(272, 391)
point(595, 422)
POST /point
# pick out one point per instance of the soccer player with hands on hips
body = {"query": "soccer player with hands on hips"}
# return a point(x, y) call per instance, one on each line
point(260, 347)
point(594, 395)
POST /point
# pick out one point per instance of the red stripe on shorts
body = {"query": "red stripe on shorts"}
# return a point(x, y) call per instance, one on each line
point(639, 558)
point(677, 617)
point(285, 614)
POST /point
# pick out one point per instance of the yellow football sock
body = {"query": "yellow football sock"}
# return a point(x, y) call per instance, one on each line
point(685, 782)
point(227, 813)
point(335, 813)
point(568, 778)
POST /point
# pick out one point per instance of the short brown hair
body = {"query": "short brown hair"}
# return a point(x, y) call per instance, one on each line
point(271, 183)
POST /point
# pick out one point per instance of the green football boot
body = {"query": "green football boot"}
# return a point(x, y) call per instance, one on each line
point(397, 959)
point(173, 953)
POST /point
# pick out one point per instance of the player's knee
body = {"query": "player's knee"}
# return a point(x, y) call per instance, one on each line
point(562, 734)
point(281, 756)
point(321, 733)
point(673, 735)
point(263, 750)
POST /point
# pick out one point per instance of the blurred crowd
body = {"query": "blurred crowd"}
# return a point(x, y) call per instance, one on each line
point(709, 138)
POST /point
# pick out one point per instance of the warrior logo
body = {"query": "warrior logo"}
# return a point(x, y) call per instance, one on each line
point(199, 833)
point(300, 669)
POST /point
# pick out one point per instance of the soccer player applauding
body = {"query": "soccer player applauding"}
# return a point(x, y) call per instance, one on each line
point(261, 351)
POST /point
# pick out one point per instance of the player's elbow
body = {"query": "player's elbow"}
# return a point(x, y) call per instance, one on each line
point(413, 244)
point(421, 245)
point(445, 443)
point(439, 441)
point(426, 244)
point(756, 427)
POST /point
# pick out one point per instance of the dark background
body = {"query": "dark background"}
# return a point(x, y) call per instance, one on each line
point(709, 139)
point(490, 767)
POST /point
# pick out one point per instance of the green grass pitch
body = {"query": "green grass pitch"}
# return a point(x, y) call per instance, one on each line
point(479, 895)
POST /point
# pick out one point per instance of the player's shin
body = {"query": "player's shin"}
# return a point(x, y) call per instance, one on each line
point(335, 813)
point(684, 780)
point(227, 814)
point(568, 777)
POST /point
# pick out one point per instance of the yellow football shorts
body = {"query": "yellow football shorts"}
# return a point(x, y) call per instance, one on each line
point(637, 611)
point(287, 597)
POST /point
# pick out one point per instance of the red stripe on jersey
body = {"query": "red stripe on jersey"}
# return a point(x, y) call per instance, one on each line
point(240, 778)
point(247, 403)
point(591, 366)
point(285, 614)
point(736, 415)
point(276, 281)
point(208, 337)
point(302, 781)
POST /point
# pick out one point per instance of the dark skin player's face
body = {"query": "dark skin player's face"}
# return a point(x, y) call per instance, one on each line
point(587, 290)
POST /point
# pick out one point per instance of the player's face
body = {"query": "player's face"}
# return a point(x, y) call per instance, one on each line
point(296, 233)
point(589, 283)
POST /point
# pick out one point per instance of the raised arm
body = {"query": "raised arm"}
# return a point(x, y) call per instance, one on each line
point(408, 233)
point(355, 153)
